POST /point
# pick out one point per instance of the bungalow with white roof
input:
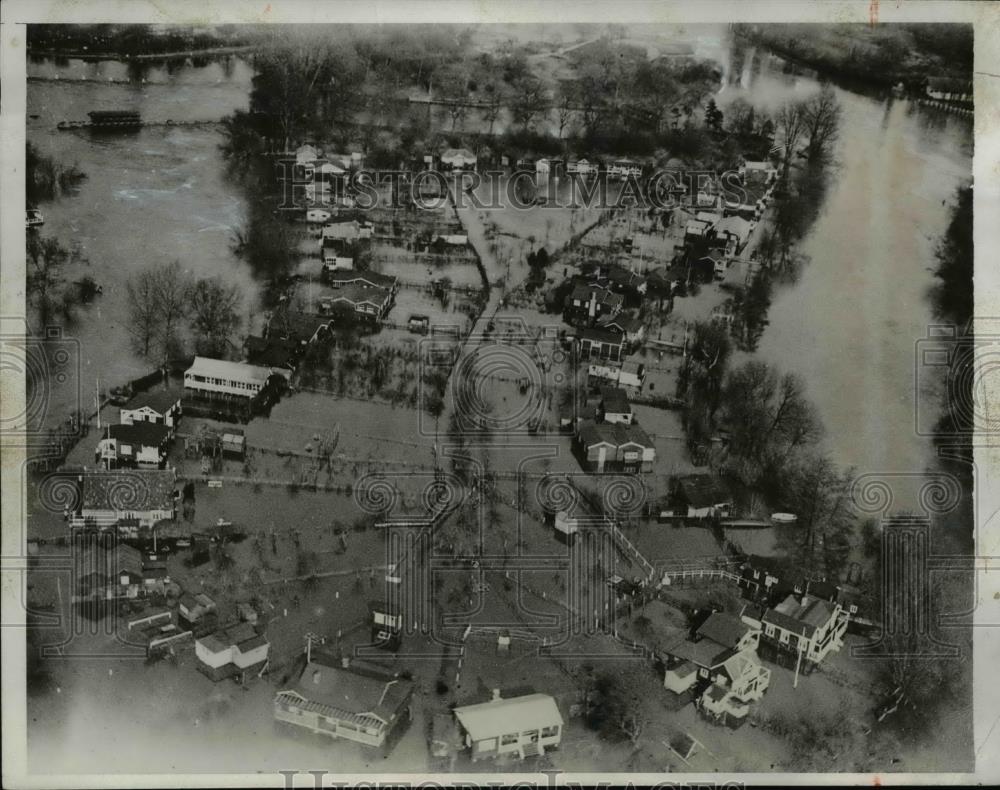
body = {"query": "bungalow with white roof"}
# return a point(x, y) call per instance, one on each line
point(522, 726)
point(235, 650)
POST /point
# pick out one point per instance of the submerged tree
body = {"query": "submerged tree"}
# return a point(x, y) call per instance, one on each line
point(821, 123)
point(768, 417)
point(214, 315)
point(45, 278)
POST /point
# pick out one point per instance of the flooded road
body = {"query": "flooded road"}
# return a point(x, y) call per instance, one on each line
point(150, 197)
point(850, 323)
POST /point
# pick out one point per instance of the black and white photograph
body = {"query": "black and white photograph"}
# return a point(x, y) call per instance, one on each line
point(437, 390)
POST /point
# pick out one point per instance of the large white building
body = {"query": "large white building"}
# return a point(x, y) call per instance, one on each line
point(221, 376)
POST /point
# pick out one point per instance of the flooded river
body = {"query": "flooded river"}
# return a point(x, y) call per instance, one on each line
point(151, 197)
point(850, 323)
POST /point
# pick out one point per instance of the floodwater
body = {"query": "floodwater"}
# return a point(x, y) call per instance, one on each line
point(850, 324)
point(150, 197)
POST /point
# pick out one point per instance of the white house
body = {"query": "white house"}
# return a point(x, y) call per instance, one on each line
point(803, 630)
point(231, 651)
point(523, 726)
point(222, 376)
point(160, 407)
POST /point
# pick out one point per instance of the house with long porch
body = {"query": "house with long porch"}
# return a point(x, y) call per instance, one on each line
point(523, 726)
point(363, 706)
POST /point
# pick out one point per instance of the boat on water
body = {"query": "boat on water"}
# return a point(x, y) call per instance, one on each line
point(114, 119)
point(784, 518)
point(33, 218)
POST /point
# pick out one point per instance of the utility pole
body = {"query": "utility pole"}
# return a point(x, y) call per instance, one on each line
point(798, 664)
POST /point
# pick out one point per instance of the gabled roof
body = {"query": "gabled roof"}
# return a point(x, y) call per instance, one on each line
point(243, 637)
point(614, 434)
point(800, 616)
point(105, 560)
point(159, 400)
point(502, 716)
point(358, 294)
point(724, 628)
point(366, 279)
point(145, 434)
point(372, 700)
point(707, 653)
point(595, 335)
point(621, 323)
point(128, 490)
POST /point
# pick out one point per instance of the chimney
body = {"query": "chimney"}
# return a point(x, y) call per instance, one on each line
point(496, 695)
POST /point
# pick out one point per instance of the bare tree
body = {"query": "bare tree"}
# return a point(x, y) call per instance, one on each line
point(158, 301)
point(788, 123)
point(768, 417)
point(44, 278)
point(529, 100)
point(565, 105)
point(214, 314)
point(821, 122)
point(143, 317)
point(173, 289)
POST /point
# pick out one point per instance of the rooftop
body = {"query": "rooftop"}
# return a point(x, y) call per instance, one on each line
point(370, 279)
point(615, 400)
point(228, 370)
point(501, 716)
point(147, 434)
point(242, 636)
point(159, 400)
point(724, 628)
point(128, 490)
point(615, 434)
point(596, 335)
point(707, 653)
point(801, 616)
point(359, 294)
point(347, 691)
